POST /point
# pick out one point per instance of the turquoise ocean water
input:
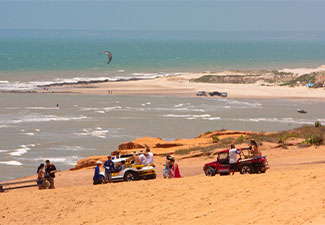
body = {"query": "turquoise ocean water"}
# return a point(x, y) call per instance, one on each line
point(56, 58)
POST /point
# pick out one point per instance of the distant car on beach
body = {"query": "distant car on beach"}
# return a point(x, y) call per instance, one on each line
point(214, 93)
point(224, 94)
point(201, 93)
point(245, 164)
point(217, 93)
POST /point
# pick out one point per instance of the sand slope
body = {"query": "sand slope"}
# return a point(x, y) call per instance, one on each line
point(293, 196)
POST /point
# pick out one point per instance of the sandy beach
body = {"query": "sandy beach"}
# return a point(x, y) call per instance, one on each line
point(291, 192)
point(180, 85)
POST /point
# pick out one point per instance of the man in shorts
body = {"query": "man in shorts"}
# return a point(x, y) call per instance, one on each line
point(109, 168)
point(50, 171)
point(233, 159)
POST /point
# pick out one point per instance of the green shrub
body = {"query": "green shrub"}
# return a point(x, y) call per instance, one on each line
point(314, 140)
point(318, 124)
point(240, 139)
point(215, 139)
point(283, 138)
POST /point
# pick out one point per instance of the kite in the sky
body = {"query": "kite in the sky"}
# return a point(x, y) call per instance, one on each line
point(109, 54)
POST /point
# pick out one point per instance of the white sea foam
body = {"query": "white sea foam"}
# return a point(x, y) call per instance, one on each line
point(6, 85)
point(37, 130)
point(179, 105)
point(11, 163)
point(42, 108)
point(41, 118)
point(102, 112)
point(188, 116)
point(4, 150)
point(278, 120)
point(20, 151)
point(212, 118)
point(29, 134)
point(97, 132)
point(12, 108)
point(69, 160)
point(112, 108)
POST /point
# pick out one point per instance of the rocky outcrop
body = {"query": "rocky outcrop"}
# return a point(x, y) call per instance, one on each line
point(129, 145)
point(88, 162)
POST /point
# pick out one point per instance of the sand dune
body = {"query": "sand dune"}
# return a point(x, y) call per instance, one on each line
point(291, 192)
point(291, 196)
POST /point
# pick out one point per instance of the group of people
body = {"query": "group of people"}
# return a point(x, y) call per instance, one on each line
point(233, 151)
point(140, 158)
point(46, 173)
point(171, 169)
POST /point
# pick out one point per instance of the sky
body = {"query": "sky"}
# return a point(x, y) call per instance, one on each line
point(156, 15)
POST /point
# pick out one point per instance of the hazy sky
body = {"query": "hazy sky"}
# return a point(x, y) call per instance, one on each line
point(163, 15)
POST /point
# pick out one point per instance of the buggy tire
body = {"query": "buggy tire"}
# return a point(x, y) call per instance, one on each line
point(246, 169)
point(210, 172)
point(130, 176)
point(150, 177)
point(225, 174)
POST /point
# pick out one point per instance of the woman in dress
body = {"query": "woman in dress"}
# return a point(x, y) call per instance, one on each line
point(40, 176)
point(174, 169)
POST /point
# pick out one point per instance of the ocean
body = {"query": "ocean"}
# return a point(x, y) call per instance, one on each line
point(33, 128)
point(34, 59)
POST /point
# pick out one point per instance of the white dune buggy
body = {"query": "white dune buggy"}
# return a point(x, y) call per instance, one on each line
point(131, 172)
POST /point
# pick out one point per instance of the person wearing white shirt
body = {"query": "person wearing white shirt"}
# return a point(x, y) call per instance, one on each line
point(143, 159)
point(149, 155)
point(233, 159)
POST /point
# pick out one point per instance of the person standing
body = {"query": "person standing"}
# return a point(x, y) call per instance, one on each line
point(233, 159)
point(109, 168)
point(40, 177)
point(50, 171)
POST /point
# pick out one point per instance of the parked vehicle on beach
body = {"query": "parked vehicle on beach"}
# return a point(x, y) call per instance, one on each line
point(224, 94)
point(245, 164)
point(201, 93)
point(132, 172)
point(214, 93)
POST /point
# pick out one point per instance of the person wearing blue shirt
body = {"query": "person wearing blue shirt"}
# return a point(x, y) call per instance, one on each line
point(98, 178)
point(109, 168)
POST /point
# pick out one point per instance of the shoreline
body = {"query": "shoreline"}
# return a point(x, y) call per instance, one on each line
point(179, 84)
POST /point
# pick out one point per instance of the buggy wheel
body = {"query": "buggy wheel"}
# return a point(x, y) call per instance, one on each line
point(152, 176)
point(210, 172)
point(130, 176)
point(246, 169)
